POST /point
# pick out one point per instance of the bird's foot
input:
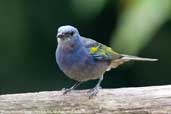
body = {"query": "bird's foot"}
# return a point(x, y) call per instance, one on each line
point(67, 90)
point(70, 89)
point(93, 92)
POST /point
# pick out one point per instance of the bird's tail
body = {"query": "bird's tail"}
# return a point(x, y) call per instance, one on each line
point(125, 58)
point(129, 57)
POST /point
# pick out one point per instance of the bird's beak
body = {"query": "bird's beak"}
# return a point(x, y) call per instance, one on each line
point(60, 35)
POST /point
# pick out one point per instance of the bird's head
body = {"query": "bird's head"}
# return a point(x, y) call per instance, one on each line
point(67, 33)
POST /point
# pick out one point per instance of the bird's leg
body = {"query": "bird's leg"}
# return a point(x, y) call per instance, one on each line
point(72, 88)
point(95, 90)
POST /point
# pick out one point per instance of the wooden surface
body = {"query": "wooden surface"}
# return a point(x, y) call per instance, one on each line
point(141, 100)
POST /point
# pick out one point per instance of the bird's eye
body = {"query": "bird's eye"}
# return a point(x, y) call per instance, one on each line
point(71, 33)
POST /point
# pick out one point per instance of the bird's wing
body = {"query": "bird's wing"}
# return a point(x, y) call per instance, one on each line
point(102, 52)
point(99, 51)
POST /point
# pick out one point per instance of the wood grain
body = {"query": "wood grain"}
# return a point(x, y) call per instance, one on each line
point(138, 100)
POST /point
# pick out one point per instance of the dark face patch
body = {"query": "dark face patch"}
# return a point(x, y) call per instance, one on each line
point(63, 35)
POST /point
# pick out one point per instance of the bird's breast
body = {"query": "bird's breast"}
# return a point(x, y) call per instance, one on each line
point(79, 64)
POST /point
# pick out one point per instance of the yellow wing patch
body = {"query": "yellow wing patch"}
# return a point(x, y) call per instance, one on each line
point(93, 49)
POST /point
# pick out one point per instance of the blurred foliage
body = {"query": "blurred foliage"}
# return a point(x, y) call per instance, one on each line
point(139, 22)
point(88, 9)
point(28, 43)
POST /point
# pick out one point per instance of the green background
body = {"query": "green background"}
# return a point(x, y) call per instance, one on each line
point(28, 42)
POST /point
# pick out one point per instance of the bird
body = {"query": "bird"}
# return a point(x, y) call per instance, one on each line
point(83, 59)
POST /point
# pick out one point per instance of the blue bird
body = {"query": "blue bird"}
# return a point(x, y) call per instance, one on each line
point(84, 59)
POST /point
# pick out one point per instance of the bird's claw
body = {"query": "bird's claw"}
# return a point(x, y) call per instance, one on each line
point(66, 90)
point(93, 92)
